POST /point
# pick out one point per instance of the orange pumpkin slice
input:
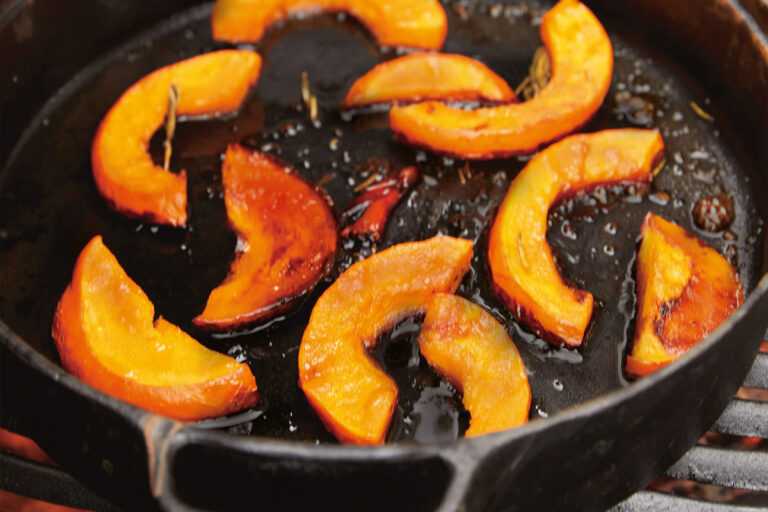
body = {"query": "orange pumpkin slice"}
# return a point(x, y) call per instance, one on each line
point(287, 240)
point(467, 346)
point(105, 335)
point(582, 63)
point(410, 23)
point(684, 291)
point(210, 84)
point(428, 76)
point(524, 273)
point(351, 394)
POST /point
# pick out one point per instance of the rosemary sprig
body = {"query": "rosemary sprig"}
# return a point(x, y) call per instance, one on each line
point(701, 112)
point(309, 99)
point(367, 183)
point(539, 73)
point(170, 124)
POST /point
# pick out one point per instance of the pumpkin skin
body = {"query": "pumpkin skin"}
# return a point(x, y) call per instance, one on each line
point(106, 336)
point(471, 349)
point(287, 240)
point(523, 270)
point(685, 289)
point(353, 397)
point(428, 76)
point(582, 64)
point(209, 85)
point(409, 23)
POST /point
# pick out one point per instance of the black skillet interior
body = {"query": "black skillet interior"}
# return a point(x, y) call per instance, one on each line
point(51, 207)
point(577, 460)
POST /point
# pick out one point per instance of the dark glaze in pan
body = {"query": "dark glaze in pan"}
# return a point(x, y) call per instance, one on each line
point(51, 208)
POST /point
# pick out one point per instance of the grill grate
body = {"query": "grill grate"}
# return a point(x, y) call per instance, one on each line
point(663, 502)
point(744, 418)
point(758, 375)
point(738, 469)
point(724, 467)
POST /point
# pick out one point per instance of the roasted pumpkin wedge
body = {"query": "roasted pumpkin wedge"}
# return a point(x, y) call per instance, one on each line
point(378, 200)
point(351, 394)
point(471, 349)
point(409, 23)
point(582, 64)
point(105, 334)
point(287, 240)
point(524, 273)
point(210, 84)
point(428, 76)
point(685, 289)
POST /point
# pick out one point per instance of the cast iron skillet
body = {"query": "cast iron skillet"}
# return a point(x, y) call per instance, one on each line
point(584, 457)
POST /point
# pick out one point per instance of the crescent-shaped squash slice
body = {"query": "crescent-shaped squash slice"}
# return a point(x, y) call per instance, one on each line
point(210, 84)
point(428, 76)
point(685, 289)
point(409, 23)
point(287, 240)
point(106, 336)
point(467, 346)
point(582, 64)
point(351, 394)
point(524, 273)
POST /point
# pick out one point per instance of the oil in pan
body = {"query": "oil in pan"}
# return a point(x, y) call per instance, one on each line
point(52, 208)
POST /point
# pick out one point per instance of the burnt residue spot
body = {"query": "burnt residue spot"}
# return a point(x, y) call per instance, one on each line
point(713, 213)
point(659, 324)
point(664, 311)
point(295, 264)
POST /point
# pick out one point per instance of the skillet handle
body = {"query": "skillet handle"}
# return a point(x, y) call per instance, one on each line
point(196, 469)
point(464, 492)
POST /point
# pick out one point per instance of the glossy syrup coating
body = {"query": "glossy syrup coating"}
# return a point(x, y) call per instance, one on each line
point(410, 23)
point(106, 335)
point(685, 289)
point(428, 76)
point(51, 208)
point(471, 349)
point(287, 240)
point(210, 84)
point(524, 273)
point(582, 65)
point(348, 390)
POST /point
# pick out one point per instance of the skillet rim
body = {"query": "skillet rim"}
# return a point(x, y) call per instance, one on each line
point(481, 445)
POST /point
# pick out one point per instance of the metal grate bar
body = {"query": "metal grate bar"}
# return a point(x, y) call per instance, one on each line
point(758, 375)
point(744, 418)
point(644, 501)
point(727, 468)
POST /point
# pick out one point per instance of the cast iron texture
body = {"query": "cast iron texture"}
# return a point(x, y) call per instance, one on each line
point(579, 459)
point(47, 483)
